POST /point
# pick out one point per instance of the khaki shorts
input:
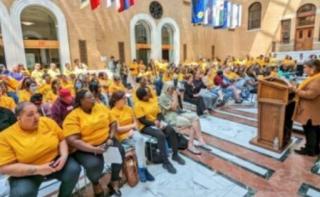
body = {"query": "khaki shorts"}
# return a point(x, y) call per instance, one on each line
point(186, 119)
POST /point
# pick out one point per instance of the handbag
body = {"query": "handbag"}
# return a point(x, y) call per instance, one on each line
point(130, 169)
point(182, 142)
point(153, 153)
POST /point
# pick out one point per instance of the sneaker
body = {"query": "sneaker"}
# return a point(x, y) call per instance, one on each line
point(194, 151)
point(178, 159)
point(142, 175)
point(149, 175)
point(169, 167)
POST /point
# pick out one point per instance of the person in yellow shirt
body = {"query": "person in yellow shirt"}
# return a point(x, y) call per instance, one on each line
point(28, 88)
point(6, 101)
point(150, 123)
point(51, 95)
point(90, 130)
point(54, 72)
point(37, 73)
point(45, 87)
point(143, 82)
point(127, 132)
point(34, 150)
point(134, 68)
point(68, 69)
point(116, 85)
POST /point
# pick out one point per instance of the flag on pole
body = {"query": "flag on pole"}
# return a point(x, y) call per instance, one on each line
point(84, 3)
point(126, 4)
point(117, 4)
point(228, 15)
point(94, 4)
point(236, 16)
point(198, 8)
point(108, 3)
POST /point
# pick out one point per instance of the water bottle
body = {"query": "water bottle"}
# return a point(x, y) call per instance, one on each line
point(275, 143)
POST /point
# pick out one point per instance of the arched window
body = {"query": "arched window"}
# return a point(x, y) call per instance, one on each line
point(39, 30)
point(254, 17)
point(306, 16)
point(143, 41)
point(167, 42)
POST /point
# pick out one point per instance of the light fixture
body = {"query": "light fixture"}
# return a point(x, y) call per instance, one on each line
point(27, 23)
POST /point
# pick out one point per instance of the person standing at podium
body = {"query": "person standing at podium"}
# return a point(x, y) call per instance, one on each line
point(307, 110)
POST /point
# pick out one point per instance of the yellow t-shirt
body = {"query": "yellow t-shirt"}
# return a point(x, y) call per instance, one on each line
point(54, 73)
point(146, 109)
point(50, 97)
point(24, 96)
point(37, 147)
point(124, 117)
point(37, 75)
point(231, 76)
point(93, 128)
point(7, 102)
point(116, 87)
point(134, 69)
point(12, 84)
point(44, 89)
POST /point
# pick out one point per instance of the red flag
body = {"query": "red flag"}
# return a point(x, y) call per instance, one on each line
point(94, 4)
point(122, 5)
point(132, 2)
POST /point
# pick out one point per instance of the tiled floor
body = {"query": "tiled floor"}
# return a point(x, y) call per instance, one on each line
point(232, 166)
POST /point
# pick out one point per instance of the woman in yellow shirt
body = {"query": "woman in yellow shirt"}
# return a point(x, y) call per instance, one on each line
point(37, 73)
point(34, 150)
point(89, 130)
point(6, 101)
point(150, 123)
point(116, 85)
point(28, 88)
point(127, 132)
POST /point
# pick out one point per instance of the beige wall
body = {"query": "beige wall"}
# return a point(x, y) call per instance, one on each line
point(104, 28)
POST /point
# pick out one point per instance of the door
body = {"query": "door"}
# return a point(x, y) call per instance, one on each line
point(144, 55)
point(166, 54)
point(304, 39)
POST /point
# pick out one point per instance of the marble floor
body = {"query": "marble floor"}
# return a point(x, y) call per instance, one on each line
point(231, 166)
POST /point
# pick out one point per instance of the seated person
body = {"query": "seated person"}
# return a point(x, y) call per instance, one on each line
point(128, 133)
point(185, 120)
point(34, 150)
point(28, 88)
point(7, 118)
point(62, 106)
point(89, 130)
point(191, 97)
point(149, 116)
point(96, 90)
point(116, 85)
point(44, 109)
point(228, 89)
point(6, 101)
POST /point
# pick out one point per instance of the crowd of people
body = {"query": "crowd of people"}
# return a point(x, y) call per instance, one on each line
point(53, 122)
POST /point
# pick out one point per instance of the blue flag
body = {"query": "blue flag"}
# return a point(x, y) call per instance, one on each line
point(198, 8)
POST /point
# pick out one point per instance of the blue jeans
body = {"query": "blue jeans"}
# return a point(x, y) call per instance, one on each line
point(29, 186)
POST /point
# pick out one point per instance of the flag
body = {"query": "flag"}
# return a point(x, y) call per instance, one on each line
point(126, 4)
point(84, 3)
point(108, 3)
point(198, 8)
point(220, 19)
point(236, 16)
point(94, 4)
point(117, 4)
point(228, 15)
point(208, 12)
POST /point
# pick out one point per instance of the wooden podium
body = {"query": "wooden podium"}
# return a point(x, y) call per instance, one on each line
point(275, 109)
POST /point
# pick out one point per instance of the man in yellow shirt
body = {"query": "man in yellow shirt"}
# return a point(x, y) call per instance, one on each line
point(54, 72)
point(150, 123)
point(34, 150)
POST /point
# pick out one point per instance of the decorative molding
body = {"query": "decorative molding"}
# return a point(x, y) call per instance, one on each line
point(18, 6)
point(152, 25)
point(8, 37)
point(176, 38)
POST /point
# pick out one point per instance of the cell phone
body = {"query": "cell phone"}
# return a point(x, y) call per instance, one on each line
point(52, 164)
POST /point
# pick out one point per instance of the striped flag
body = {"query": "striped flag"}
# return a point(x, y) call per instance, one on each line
point(94, 4)
point(108, 3)
point(125, 4)
point(84, 3)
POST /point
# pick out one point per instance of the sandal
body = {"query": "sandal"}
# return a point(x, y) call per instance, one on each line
point(194, 150)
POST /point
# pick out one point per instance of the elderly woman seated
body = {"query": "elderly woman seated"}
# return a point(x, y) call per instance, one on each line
point(34, 150)
point(174, 116)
